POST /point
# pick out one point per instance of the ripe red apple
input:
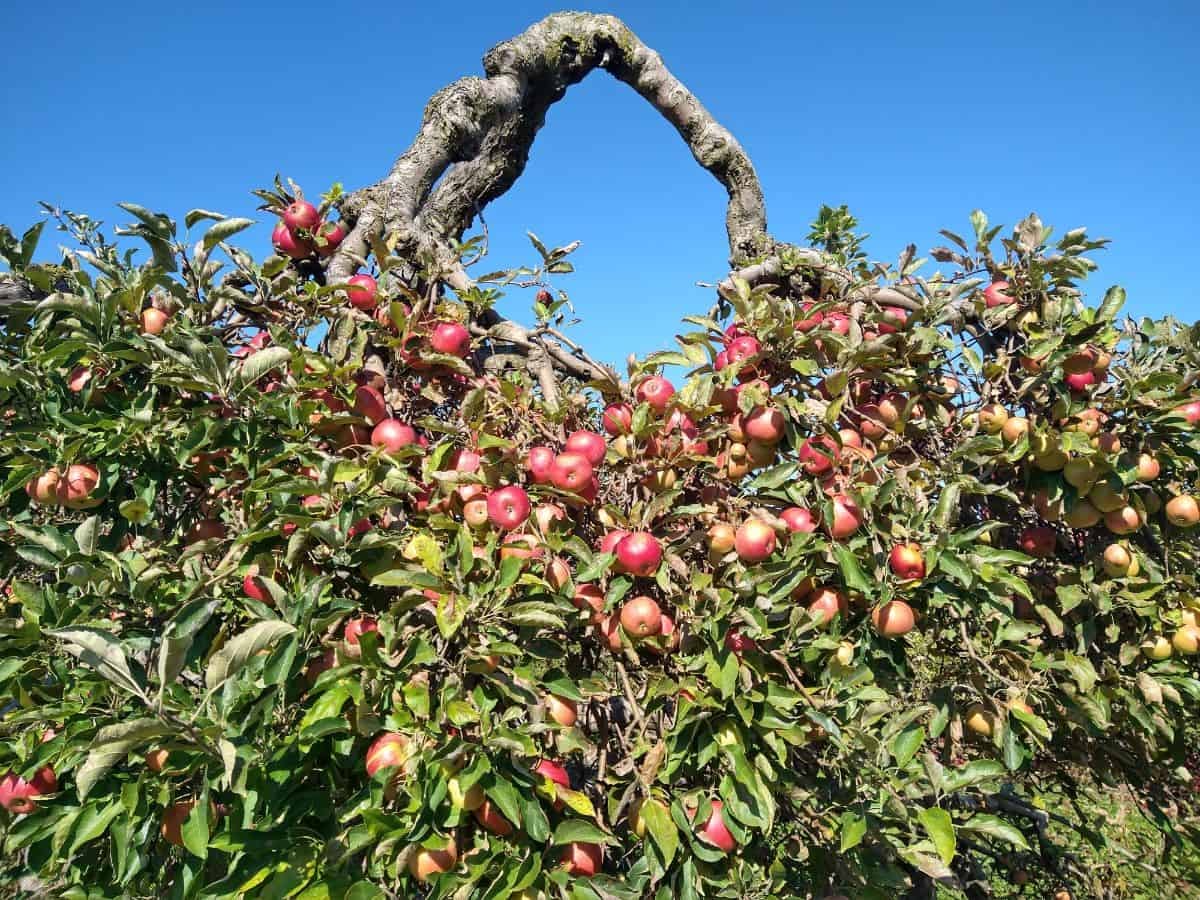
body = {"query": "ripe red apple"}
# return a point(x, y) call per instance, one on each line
point(154, 321)
point(389, 750)
point(301, 214)
point(426, 864)
point(172, 822)
point(330, 235)
point(508, 507)
point(362, 291)
point(847, 517)
point(571, 472)
point(369, 403)
point(714, 830)
point(656, 391)
point(1190, 412)
point(907, 562)
point(1079, 382)
point(540, 464)
point(491, 820)
point(996, 294)
point(809, 322)
point(288, 244)
point(393, 435)
point(738, 643)
point(205, 530)
point(561, 710)
point(589, 445)
point(548, 768)
point(255, 588)
point(43, 488)
point(608, 543)
point(357, 627)
point(641, 617)
point(893, 619)
point(589, 596)
point(818, 456)
point(799, 520)
point(892, 319)
point(824, 603)
point(1183, 511)
point(18, 795)
point(639, 553)
point(754, 541)
point(1148, 468)
point(1039, 541)
point(764, 424)
point(617, 418)
point(582, 860)
point(450, 338)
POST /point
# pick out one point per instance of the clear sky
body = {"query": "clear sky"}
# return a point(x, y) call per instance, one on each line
point(911, 113)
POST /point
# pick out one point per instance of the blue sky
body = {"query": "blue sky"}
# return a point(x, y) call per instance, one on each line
point(913, 114)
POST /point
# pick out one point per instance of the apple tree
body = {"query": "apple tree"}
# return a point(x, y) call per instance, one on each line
point(322, 579)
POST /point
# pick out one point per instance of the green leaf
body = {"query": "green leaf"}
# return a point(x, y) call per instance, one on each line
point(907, 743)
point(994, 826)
point(87, 535)
point(256, 365)
point(661, 829)
point(224, 229)
point(110, 746)
point(852, 573)
point(973, 773)
point(852, 828)
point(101, 651)
point(178, 635)
point(195, 215)
point(1114, 299)
point(234, 655)
point(579, 830)
point(940, 828)
point(195, 829)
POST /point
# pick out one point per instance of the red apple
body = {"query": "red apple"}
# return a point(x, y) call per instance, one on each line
point(754, 541)
point(475, 512)
point(389, 750)
point(491, 820)
point(1183, 511)
point(547, 768)
point(996, 294)
point(617, 418)
point(357, 627)
point(589, 596)
point(369, 403)
point(714, 830)
point(907, 562)
point(799, 520)
point(393, 435)
point(450, 338)
point(893, 619)
point(300, 214)
point(330, 235)
point(764, 424)
point(561, 710)
point(43, 488)
point(589, 445)
point(826, 602)
point(738, 643)
point(362, 291)
point(582, 860)
point(1038, 541)
point(608, 543)
point(288, 244)
point(571, 472)
point(255, 588)
point(847, 517)
point(426, 864)
point(656, 391)
point(818, 456)
point(509, 507)
point(1190, 412)
point(205, 530)
point(540, 464)
point(639, 553)
point(641, 617)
